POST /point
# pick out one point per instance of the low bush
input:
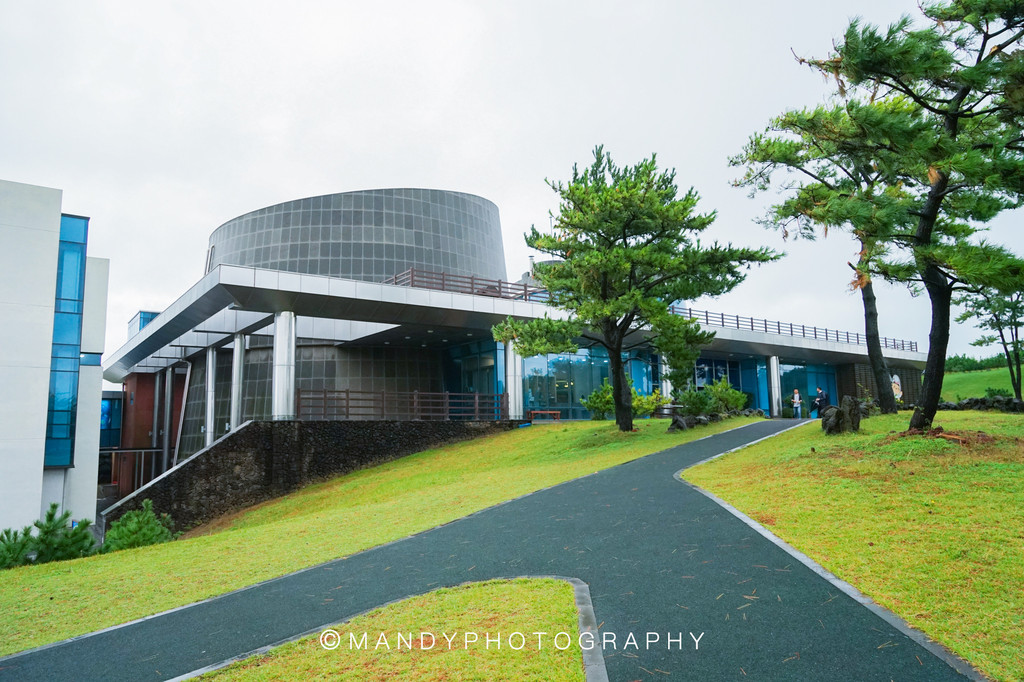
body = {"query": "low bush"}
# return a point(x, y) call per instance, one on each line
point(138, 528)
point(15, 546)
point(997, 393)
point(601, 404)
point(645, 405)
point(54, 540)
point(715, 397)
point(726, 397)
point(694, 403)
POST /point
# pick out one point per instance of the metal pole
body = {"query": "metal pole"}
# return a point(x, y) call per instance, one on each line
point(155, 433)
point(168, 408)
point(237, 363)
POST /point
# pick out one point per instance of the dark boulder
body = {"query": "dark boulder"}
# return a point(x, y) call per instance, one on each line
point(678, 424)
point(844, 418)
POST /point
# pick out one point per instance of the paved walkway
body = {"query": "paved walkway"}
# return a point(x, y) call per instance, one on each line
point(658, 556)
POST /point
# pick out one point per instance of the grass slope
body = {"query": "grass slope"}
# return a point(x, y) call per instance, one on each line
point(454, 618)
point(50, 602)
point(930, 529)
point(973, 384)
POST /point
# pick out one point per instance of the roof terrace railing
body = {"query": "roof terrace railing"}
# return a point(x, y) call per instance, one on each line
point(754, 324)
point(480, 286)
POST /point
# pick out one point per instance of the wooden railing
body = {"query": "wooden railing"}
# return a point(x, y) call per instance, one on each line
point(479, 286)
point(403, 406)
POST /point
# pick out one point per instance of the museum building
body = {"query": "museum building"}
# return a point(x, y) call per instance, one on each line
point(379, 304)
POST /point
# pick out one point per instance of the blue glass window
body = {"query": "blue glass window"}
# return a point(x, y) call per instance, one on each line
point(67, 343)
point(110, 422)
point(91, 359)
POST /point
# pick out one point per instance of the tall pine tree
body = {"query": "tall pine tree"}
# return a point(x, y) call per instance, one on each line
point(626, 247)
point(936, 117)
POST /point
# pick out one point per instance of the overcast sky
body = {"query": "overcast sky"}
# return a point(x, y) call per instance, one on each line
point(161, 121)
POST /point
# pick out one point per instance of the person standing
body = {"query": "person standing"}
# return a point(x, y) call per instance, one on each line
point(797, 402)
point(821, 402)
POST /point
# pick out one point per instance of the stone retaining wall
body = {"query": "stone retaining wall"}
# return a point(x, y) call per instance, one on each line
point(266, 459)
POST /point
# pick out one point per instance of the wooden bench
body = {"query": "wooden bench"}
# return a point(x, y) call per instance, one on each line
point(554, 414)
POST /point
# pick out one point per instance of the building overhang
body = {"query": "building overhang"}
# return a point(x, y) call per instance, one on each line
point(234, 299)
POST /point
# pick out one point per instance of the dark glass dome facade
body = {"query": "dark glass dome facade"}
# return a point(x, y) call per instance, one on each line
point(367, 235)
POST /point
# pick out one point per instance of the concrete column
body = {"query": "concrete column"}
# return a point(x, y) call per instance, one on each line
point(237, 356)
point(157, 397)
point(168, 412)
point(211, 383)
point(514, 382)
point(666, 385)
point(774, 386)
point(283, 404)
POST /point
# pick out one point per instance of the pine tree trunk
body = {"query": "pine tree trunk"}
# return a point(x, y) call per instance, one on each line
point(1015, 377)
point(940, 292)
point(1010, 357)
point(880, 371)
point(620, 391)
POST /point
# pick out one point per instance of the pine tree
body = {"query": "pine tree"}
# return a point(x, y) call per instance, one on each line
point(627, 248)
point(939, 111)
point(138, 528)
point(56, 540)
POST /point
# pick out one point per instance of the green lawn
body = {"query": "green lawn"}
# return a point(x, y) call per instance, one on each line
point(928, 528)
point(50, 602)
point(973, 384)
point(493, 609)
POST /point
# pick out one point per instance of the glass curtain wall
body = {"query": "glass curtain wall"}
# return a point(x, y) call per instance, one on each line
point(67, 343)
point(806, 378)
point(557, 382)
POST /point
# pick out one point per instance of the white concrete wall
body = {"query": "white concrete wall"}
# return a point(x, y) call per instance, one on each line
point(30, 236)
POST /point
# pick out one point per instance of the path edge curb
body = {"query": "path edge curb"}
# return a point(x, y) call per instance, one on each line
point(938, 650)
point(593, 658)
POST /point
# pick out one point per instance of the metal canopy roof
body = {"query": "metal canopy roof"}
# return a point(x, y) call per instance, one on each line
point(235, 299)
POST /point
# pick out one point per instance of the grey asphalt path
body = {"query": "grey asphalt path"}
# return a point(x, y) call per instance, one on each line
point(659, 557)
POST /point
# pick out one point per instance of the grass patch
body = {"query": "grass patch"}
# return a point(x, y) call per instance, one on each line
point(973, 384)
point(929, 528)
point(495, 608)
point(51, 602)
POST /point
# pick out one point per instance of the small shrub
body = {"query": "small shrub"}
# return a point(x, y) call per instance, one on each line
point(997, 393)
point(645, 405)
point(693, 403)
point(725, 397)
point(15, 546)
point(56, 540)
point(600, 402)
point(138, 528)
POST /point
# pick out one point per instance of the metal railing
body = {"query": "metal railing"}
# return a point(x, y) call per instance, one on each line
point(754, 324)
point(402, 406)
point(461, 284)
point(132, 469)
point(425, 279)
